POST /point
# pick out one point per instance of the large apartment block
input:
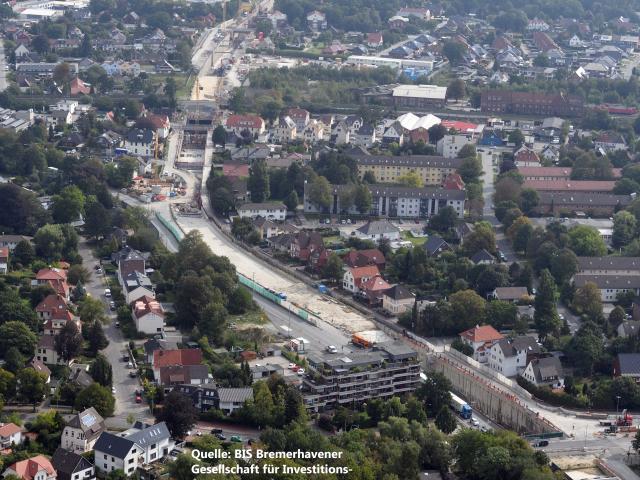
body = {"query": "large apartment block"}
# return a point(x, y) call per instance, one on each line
point(343, 379)
point(432, 169)
point(394, 201)
point(559, 104)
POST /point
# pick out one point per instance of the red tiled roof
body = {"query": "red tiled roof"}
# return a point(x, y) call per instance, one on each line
point(453, 182)
point(366, 271)
point(244, 121)
point(28, 469)
point(9, 429)
point(51, 274)
point(374, 37)
point(564, 172)
point(147, 305)
point(571, 185)
point(186, 356)
point(526, 155)
point(375, 284)
point(4, 252)
point(235, 170)
point(77, 86)
point(458, 125)
point(52, 302)
point(485, 333)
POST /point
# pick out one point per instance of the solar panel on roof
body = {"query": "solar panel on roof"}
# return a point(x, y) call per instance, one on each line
point(88, 419)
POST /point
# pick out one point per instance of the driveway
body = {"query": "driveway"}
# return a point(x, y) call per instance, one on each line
point(125, 386)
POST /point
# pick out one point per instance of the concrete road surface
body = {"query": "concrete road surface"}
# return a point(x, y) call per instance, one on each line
point(125, 386)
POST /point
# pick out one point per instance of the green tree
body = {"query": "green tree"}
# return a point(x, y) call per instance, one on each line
point(294, 409)
point(97, 396)
point(445, 220)
point(49, 242)
point(219, 136)
point(292, 201)
point(170, 90)
point(68, 205)
point(456, 89)
point(101, 371)
point(97, 220)
point(470, 169)
point(23, 254)
point(7, 384)
point(68, 343)
point(454, 51)
point(17, 334)
point(240, 301)
point(564, 264)
point(517, 137)
point(319, 193)
point(501, 314)
point(468, 309)
point(333, 269)
point(529, 199)
point(588, 301)
point(237, 101)
point(586, 347)
point(92, 310)
point(616, 317)
point(262, 406)
point(445, 421)
point(31, 386)
point(258, 183)
point(14, 360)
point(96, 337)
point(546, 316)
point(179, 413)
point(624, 229)
point(586, 241)
point(410, 179)
point(362, 199)
point(482, 237)
point(213, 322)
point(435, 393)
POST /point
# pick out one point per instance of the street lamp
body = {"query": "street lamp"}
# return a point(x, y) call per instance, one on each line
point(617, 404)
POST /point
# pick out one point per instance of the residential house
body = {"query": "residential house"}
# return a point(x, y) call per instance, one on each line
point(526, 157)
point(482, 257)
point(40, 367)
point(268, 210)
point(172, 375)
point(510, 294)
point(373, 289)
point(56, 277)
point(546, 371)
point(4, 260)
point(481, 339)
point(79, 375)
point(148, 315)
point(263, 372)
point(137, 285)
point(510, 356)
point(72, 466)
point(141, 142)
point(34, 468)
point(160, 124)
point(165, 358)
point(504, 101)
point(610, 286)
point(550, 153)
point(610, 141)
point(629, 328)
point(303, 244)
point(316, 21)
point(154, 344)
point(545, 173)
point(374, 40)
point(284, 130)
point(140, 445)
point(82, 431)
point(462, 230)
point(46, 351)
point(365, 136)
point(378, 229)
point(361, 258)
point(397, 300)
point(10, 434)
point(54, 306)
point(627, 365)
point(266, 228)
point(436, 245)
point(354, 277)
point(252, 124)
point(578, 186)
point(449, 145)
point(609, 265)
point(453, 182)
point(231, 399)
point(11, 241)
point(78, 87)
point(593, 205)
point(128, 260)
point(206, 397)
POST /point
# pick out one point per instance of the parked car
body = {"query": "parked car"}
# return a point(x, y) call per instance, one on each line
point(112, 306)
point(541, 443)
point(138, 399)
point(236, 438)
point(117, 324)
point(220, 436)
point(300, 372)
point(332, 349)
point(107, 292)
point(133, 374)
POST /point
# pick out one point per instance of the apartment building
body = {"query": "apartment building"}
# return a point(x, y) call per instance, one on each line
point(344, 379)
point(610, 286)
point(609, 265)
point(560, 104)
point(432, 169)
point(395, 201)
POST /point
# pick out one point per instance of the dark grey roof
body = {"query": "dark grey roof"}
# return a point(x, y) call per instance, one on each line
point(398, 292)
point(583, 199)
point(608, 281)
point(89, 421)
point(236, 395)
point(113, 445)
point(434, 243)
point(608, 263)
point(409, 161)
point(511, 346)
point(379, 190)
point(629, 363)
point(140, 135)
point(67, 463)
point(482, 255)
point(149, 434)
point(137, 279)
point(547, 367)
point(263, 206)
point(378, 227)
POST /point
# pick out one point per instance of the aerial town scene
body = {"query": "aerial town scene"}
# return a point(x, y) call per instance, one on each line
point(341, 240)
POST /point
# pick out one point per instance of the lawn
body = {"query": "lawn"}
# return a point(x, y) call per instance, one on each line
point(416, 241)
point(256, 317)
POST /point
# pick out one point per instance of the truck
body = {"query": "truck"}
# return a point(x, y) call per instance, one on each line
point(624, 420)
point(298, 344)
point(461, 407)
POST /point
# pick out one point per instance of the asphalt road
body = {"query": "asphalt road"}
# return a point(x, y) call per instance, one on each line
point(3, 70)
point(125, 386)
